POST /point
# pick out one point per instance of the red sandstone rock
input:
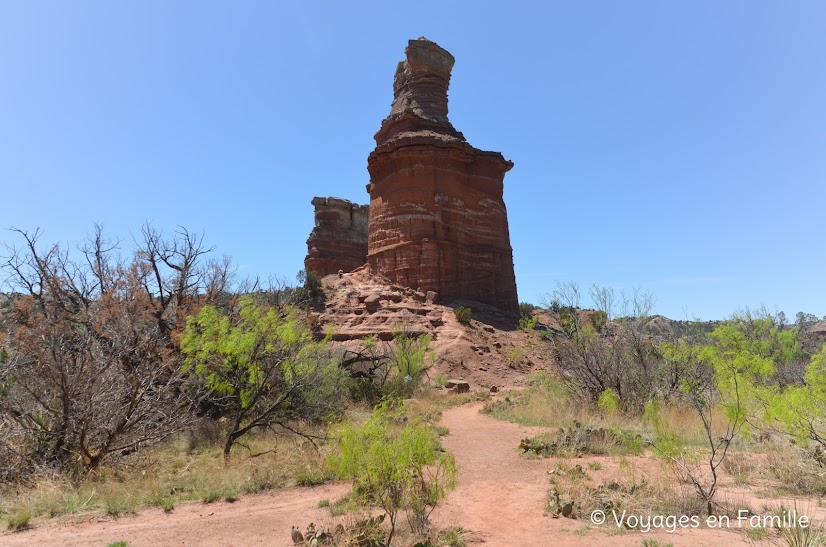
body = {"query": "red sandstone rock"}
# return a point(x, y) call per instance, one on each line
point(459, 385)
point(437, 218)
point(347, 318)
point(339, 239)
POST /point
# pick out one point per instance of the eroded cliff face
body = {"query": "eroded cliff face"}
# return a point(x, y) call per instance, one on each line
point(437, 220)
point(339, 239)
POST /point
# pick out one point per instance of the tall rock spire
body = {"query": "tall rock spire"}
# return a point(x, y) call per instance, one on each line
point(437, 220)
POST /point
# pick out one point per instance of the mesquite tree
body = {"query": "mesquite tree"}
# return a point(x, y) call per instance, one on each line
point(261, 367)
point(724, 382)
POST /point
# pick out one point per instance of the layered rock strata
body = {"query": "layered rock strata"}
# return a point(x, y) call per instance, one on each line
point(437, 220)
point(338, 241)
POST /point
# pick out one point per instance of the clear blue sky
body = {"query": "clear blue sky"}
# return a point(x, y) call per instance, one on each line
point(678, 146)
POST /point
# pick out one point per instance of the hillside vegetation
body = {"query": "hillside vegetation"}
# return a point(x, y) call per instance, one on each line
point(154, 375)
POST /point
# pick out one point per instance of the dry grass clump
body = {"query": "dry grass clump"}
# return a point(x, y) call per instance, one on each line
point(797, 470)
point(547, 402)
point(741, 466)
point(576, 492)
point(550, 403)
point(580, 440)
point(189, 468)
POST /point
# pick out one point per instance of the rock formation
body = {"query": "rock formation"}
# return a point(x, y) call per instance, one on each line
point(339, 239)
point(437, 218)
point(360, 304)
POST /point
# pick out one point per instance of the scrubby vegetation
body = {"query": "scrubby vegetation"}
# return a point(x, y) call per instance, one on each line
point(395, 465)
point(463, 315)
point(704, 400)
point(154, 377)
point(261, 367)
point(130, 382)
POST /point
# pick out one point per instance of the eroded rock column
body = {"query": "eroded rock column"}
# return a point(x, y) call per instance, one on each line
point(437, 218)
point(339, 239)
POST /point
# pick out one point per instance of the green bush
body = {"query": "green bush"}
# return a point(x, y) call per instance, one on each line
point(310, 281)
point(598, 320)
point(410, 360)
point(568, 319)
point(394, 467)
point(528, 323)
point(261, 366)
point(526, 309)
point(463, 315)
point(608, 401)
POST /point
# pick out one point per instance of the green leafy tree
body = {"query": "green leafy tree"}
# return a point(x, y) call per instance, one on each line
point(767, 335)
point(801, 409)
point(262, 367)
point(393, 466)
point(394, 368)
point(724, 382)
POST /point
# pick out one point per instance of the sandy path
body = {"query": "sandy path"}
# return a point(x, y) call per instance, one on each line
point(499, 502)
point(501, 496)
point(263, 519)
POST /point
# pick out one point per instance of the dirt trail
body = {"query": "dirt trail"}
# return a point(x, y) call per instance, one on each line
point(499, 502)
point(501, 495)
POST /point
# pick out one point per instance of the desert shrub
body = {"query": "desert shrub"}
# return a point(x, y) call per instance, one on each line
point(365, 532)
point(528, 323)
point(801, 409)
point(568, 318)
point(571, 486)
point(390, 369)
point(262, 366)
point(516, 354)
point(463, 315)
point(598, 320)
point(723, 380)
point(580, 440)
point(410, 360)
point(597, 354)
point(526, 309)
point(310, 286)
point(92, 370)
point(608, 401)
point(393, 466)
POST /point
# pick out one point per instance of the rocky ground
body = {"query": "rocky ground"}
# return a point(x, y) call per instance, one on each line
point(490, 351)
